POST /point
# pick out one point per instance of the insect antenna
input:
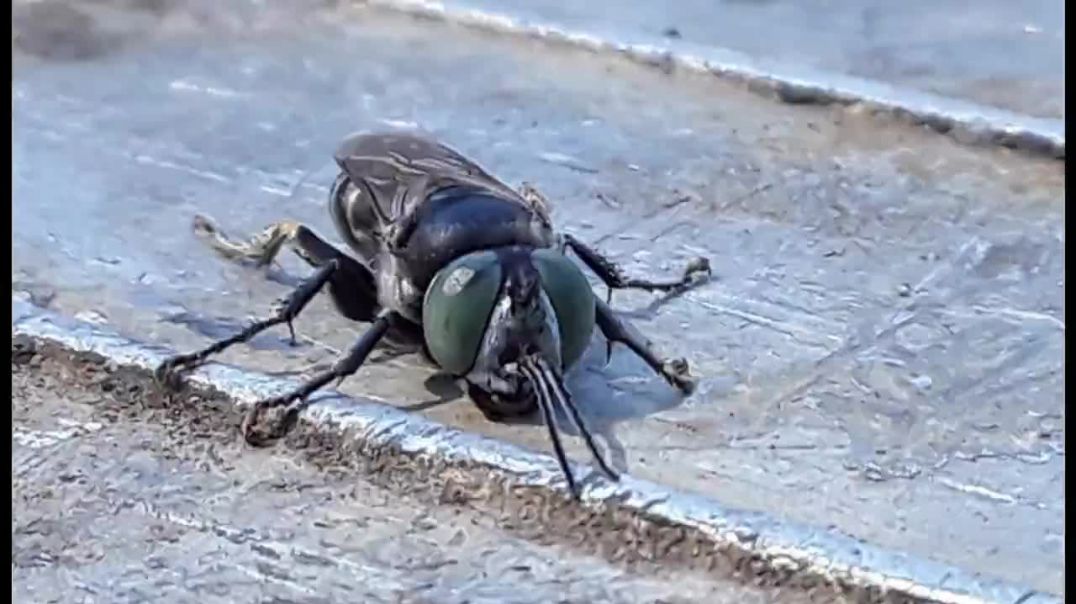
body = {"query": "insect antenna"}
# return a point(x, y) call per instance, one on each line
point(564, 400)
point(546, 407)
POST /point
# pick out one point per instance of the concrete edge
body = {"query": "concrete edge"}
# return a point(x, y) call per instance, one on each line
point(770, 548)
point(965, 121)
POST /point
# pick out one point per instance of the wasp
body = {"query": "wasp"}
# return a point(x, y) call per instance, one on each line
point(448, 259)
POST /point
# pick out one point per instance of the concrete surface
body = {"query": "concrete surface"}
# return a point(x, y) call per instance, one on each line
point(1009, 55)
point(881, 348)
point(633, 521)
point(113, 502)
point(823, 58)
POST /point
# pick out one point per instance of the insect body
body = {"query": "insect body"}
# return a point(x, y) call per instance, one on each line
point(449, 259)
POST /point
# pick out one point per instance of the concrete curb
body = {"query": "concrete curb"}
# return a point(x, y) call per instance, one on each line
point(765, 549)
point(965, 121)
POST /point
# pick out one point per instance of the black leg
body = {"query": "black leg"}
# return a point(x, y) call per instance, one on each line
point(615, 329)
point(287, 310)
point(352, 285)
point(614, 277)
point(343, 368)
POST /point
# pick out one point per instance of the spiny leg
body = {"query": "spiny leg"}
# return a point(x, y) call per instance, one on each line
point(538, 371)
point(614, 277)
point(615, 329)
point(261, 249)
point(352, 286)
point(343, 368)
point(286, 311)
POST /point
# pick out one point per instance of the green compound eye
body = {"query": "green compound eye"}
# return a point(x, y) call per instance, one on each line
point(572, 299)
point(457, 308)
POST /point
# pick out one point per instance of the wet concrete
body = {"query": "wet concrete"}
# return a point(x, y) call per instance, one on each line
point(1009, 55)
point(122, 502)
point(881, 348)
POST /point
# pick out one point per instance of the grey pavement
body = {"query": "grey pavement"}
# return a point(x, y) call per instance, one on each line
point(116, 503)
point(1009, 55)
point(881, 348)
